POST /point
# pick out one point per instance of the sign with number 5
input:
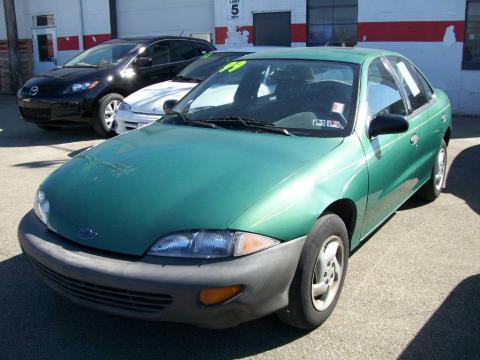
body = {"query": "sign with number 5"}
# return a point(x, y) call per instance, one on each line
point(234, 9)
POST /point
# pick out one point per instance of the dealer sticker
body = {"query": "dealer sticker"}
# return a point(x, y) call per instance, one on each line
point(338, 108)
point(327, 123)
point(233, 66)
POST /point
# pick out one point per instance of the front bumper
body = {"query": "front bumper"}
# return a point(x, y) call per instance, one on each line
point(159, 288)
point(60, 110)
point(129, 120)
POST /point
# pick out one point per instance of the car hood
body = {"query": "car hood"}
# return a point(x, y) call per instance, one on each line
point(55, 80)
point(73, 73)
point(150, 100)
point(137, 187)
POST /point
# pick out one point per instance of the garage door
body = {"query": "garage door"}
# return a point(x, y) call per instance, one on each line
point(165, 17)
point(272, 29)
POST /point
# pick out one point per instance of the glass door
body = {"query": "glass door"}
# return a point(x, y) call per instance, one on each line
point(44, 49)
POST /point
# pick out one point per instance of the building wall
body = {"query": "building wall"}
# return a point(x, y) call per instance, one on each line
point(430, 34)
point(67, 23)
point(239, 31)
point(165, 17)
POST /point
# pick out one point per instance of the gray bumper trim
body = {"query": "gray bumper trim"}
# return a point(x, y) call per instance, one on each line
point(265, 277)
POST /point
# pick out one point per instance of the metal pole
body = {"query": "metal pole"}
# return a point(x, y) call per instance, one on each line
point(113, 19)
point(12, 39)
point(82, 26)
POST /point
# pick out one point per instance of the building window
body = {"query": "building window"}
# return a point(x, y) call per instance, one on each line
point(332, 22)
point(43, 20)
point(471, 45)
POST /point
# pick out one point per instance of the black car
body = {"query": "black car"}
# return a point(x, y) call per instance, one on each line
point(89, 88)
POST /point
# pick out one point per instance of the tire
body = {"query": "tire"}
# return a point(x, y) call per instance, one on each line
point(105, 114)
point(432, 189)
point(48, 128)
point(306, 310)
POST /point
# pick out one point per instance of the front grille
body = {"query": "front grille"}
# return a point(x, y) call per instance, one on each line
point(125, 300)
point(36, 114)
point(42, 90)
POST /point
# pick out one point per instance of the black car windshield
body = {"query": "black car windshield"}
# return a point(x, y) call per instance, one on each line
point(208, 64)
point(300, 97)
point(105, 55)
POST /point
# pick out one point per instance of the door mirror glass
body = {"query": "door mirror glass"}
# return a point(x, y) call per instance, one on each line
point(168, 105)
point(142, 62)
point(387, 124)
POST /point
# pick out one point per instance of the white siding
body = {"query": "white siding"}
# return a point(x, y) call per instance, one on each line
point(410, 10)
point(165, 17)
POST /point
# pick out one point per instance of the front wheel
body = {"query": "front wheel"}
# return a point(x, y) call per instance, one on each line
point(320, 275)
point(433, 187)
point(106, 114)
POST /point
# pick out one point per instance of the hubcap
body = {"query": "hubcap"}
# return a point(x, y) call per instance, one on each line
point(440, 175)
point(110, 110)
point(327, 273)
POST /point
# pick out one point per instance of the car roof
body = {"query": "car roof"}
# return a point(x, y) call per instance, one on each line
point(250, 49)
point(146, 40)
point(355, 55)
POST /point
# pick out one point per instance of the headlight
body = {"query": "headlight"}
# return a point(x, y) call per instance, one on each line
point(82, 86)
point(210, 244)
point(41, 206)
point(125, 107)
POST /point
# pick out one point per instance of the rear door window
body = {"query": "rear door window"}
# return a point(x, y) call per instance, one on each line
point(418, 90)
point(202, 48)
point(183, 50)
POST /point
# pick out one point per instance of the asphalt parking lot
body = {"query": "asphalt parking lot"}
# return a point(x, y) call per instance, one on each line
point(412, 291)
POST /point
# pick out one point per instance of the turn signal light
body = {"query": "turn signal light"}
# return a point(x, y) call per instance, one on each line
point(218, 295)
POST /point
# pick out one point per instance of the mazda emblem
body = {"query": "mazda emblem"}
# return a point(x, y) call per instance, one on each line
point(34, 90)
point(87, 234)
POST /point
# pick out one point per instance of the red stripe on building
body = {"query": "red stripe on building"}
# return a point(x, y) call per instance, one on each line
point(409, 31)
point(92, 40)
point(65, 43)
point(298, 33)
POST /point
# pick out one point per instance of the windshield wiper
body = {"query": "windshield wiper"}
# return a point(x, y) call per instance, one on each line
point(252, 123)
point(190, 121)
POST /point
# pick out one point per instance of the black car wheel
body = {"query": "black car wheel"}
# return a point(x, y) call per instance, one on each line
point(433, 187)
point(320, 275)
point(105, 114)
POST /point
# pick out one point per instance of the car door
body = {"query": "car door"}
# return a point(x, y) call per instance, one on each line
point(424, 114)
point(160, 68)
point(391, 159)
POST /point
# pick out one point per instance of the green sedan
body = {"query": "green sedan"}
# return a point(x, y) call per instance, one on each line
point(247, 198)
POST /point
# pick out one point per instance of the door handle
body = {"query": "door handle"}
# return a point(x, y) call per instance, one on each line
point(414, 139)
point(444, 117)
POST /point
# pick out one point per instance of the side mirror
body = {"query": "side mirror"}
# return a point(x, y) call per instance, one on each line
point(168, 105)
point(387, 124)
point(141, 62)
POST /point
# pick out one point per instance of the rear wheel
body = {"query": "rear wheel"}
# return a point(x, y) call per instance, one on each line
point(320, 275)
point(105, 114)
point(433, 187)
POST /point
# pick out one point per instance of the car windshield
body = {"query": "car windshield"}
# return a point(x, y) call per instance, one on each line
point(207, 65)
point(105, 55)
point(299, 97)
